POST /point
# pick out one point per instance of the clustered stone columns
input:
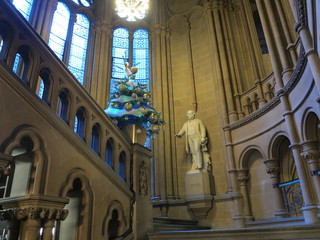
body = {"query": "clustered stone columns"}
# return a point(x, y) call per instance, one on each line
point(27, 222)
point(311, 153)
point(274, 171)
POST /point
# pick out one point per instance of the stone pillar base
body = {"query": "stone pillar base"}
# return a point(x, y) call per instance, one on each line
point(199, 192)
point(310, 214)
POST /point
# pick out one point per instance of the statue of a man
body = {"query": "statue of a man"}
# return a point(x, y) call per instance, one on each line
point(195, 138)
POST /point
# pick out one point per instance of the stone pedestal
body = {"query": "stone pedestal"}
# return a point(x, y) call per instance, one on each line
point(199, 192)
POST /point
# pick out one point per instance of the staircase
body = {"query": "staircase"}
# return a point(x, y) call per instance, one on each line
point(164, 224)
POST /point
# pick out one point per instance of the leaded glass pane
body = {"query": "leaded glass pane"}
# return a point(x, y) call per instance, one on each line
point(78, 49)
point(76, 127)
point(141, 55)
point(85, 3)
point(24, 7)
point(41, 89)
point(59, 29)
point(18, 65)
point(120, 54)
point(1, 43)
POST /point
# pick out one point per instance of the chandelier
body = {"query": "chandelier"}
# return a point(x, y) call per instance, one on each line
point(132, 10)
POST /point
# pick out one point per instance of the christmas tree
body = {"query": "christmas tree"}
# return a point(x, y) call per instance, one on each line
point(130, 103)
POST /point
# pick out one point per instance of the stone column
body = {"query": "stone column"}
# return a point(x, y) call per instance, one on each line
point(30, 223)
point(160, 163)
point(243, 180)
point(307, 42)
point(281, 48)
point(273, 170)
point(271, 45)
point(311, 153)
point(287, 35)
point(223, 60)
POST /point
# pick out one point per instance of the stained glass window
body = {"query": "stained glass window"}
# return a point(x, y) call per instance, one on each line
point(41, 89)
point(109, 152)
point(95, 138)
point(59, 29)
point(19, 66)
point(78, 49)
point(141, 55)
point(120, 53)
point(63, 106)
point(17, 62)
point(24, 7)
point(86, 3)
point(122, 166)
point(138, 56)
point(1, 43)
point(79, 123)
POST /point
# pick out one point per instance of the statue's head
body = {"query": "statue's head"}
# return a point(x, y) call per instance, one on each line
point(190, 115)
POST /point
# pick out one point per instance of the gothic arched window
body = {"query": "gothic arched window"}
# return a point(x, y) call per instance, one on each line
point(122, 166)
point(95, 138)
point(69, 38)
point(79, 123)
point(109, 152)
point(24, 7)
point(132, 48)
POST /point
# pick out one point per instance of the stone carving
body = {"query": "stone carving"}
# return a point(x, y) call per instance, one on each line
point(33, 213)
point(143, 179)
point(196, 142)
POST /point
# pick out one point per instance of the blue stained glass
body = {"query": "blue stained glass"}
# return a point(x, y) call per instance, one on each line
point(18, 66)
point(76, 127)
point(120, 54)
point(41, 89)
point(59, 29)
point(141, 55)
point(1, 43)
point(85, 3)
point(122, 166)
point(24, 7)
point(16, 63)
point(78, 49)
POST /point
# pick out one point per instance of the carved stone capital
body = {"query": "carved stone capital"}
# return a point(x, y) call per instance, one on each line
point(310, 151)
point(33, 213)
point(243, 176)
point(272, 167)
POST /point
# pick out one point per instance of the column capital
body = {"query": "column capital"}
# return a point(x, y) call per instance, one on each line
point(272, 167)
point(310, 151)
point(243, 176)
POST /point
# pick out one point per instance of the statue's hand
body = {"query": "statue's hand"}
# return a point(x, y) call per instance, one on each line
point(177, 135)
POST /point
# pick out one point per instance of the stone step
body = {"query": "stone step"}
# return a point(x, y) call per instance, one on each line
point(175, 221)
point(161, 227)
point(162, 224)
point(306, 232)
point(276, 222)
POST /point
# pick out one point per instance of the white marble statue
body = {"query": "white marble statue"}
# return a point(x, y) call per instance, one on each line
point(196, 142)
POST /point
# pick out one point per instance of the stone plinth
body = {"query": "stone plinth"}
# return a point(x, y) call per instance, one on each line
point(199, 192)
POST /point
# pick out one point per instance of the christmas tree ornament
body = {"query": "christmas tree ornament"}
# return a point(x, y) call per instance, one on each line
point(155, 128)
point(144, 111)
point(153, 117)
point(122, 88)
point(134, 70)
point(128, 106)
point(146, 96)
point(134, 95)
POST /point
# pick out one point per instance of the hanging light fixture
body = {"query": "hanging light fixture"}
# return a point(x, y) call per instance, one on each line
point(132, 10)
